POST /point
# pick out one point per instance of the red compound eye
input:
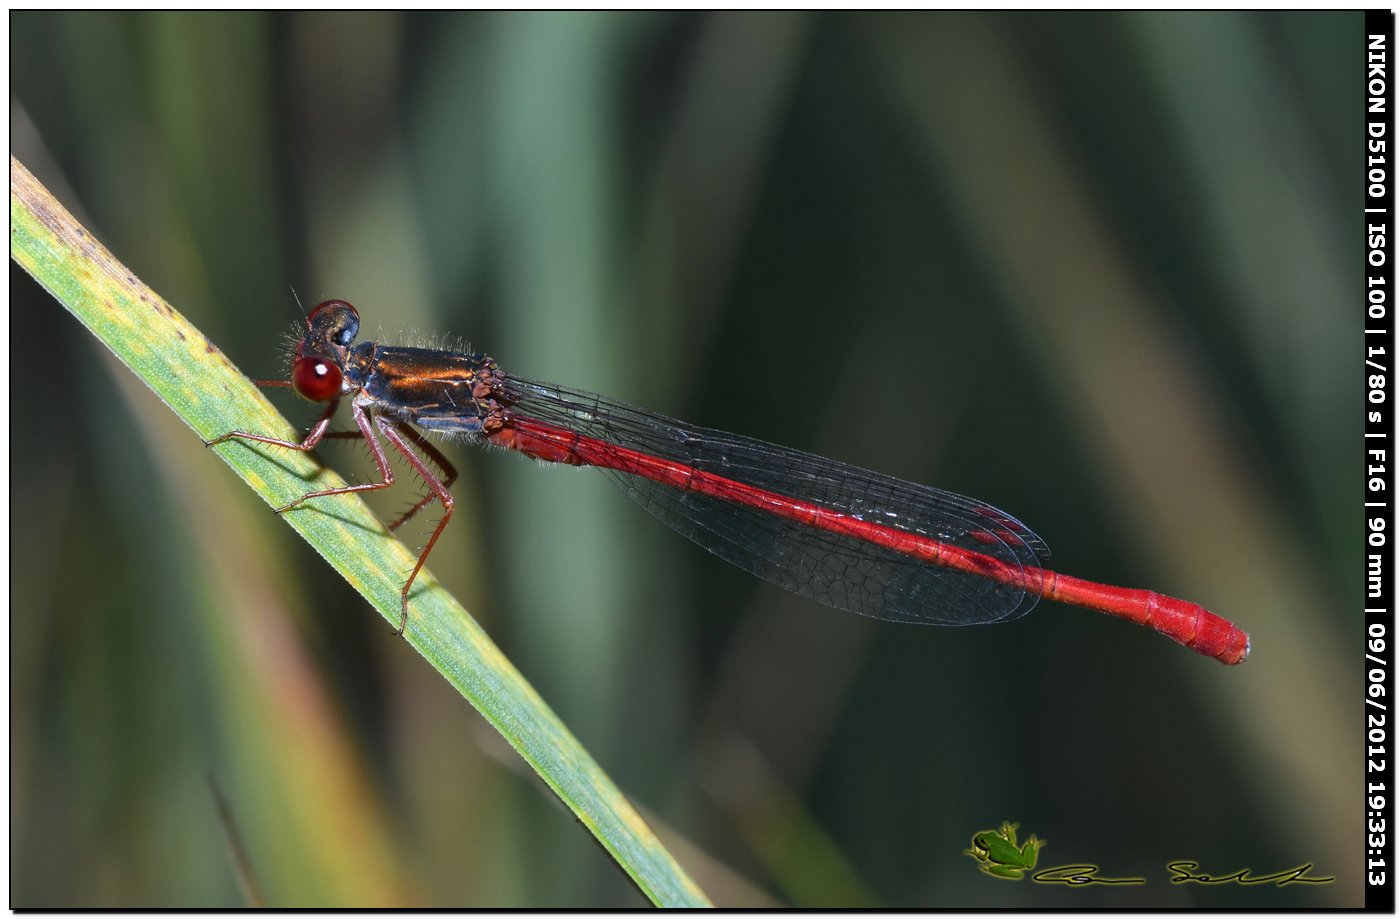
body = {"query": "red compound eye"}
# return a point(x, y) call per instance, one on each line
point(315, 378)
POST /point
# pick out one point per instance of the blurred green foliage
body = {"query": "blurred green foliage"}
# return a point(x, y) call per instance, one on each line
point(1089, 267)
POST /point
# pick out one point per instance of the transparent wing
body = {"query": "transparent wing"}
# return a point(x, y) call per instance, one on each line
point(831, 567)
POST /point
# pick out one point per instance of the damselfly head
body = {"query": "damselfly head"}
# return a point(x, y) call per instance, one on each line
point(319, 357)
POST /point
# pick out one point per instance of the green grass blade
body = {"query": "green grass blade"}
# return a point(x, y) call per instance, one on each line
point(196, 380)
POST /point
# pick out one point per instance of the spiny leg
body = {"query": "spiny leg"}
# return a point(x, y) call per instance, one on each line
point(386, 473)
point(435, 455)
point(396, 434)
point(313, 437)
point(449, 472)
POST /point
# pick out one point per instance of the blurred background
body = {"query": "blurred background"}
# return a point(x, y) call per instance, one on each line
point(1096, 269)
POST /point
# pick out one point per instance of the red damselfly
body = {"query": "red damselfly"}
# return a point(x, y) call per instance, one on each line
point(840, 535)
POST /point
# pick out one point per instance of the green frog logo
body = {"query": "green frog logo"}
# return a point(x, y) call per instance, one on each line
point(998, 855)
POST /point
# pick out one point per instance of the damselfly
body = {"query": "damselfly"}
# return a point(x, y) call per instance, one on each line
point(840, 535)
